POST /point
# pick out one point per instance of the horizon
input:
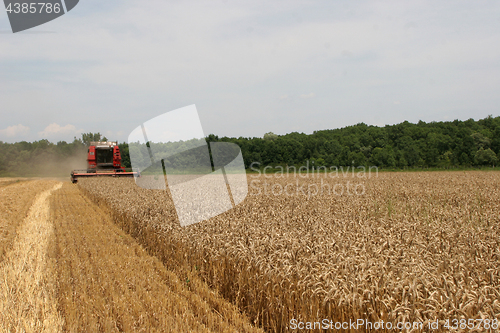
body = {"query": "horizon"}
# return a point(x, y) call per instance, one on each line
point(328, 129)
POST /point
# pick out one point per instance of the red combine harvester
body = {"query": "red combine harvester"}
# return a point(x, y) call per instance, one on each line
point(104, 159)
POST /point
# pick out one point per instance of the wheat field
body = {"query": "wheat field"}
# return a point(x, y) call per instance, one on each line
point(108, 283)
point(399, 247)
point(68, 268)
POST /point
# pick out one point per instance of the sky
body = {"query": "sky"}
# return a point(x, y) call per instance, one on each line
point(250, 67)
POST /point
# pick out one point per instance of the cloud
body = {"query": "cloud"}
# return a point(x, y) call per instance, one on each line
point(232, 59)
point(311, 95)
point(57, 131)
point(13, 131)
point(347, 53)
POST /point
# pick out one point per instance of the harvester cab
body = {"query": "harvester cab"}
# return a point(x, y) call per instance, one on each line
point(103, 159)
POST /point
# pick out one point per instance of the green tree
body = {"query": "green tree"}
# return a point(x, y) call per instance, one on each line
point(485, 157)
point(480, 140)
point(270, 136)
point(383, 157)
point(124, 152)
point(87, 138)
point(357, 158)
point(445, 160)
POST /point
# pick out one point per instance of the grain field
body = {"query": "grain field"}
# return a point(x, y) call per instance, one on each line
point(108, 283)
point(404, 248)
point(69, 268)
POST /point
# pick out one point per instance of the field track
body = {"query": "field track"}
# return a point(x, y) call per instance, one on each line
point(28, 301)
point(68, 268)
point(15, 200)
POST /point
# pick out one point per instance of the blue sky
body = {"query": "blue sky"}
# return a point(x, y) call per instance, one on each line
point(250, 67)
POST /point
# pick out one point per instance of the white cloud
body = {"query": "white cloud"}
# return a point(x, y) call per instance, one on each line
point(56, 131)
point(14, 131)
point(310, 95)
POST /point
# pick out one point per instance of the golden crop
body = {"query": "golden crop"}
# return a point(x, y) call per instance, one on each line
point(27, 288)
point(66, 267)
point(15, 202)
point(407, 247)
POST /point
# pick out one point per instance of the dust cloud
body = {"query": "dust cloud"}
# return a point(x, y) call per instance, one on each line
point(50, 165)
point(61, 166)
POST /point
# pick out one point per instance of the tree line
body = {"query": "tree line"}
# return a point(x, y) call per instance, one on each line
point(448, 144)
point(431, 145)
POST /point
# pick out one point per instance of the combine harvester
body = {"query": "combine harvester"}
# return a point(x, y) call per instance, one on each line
point(104, 159)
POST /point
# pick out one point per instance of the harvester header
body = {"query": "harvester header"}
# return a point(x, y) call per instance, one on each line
point(103, 159)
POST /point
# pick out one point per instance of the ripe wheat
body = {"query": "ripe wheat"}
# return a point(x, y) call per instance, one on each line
point(412, 247)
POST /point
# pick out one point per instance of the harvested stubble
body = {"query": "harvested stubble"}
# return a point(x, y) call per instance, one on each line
point(11, 180)
point(108, 283)
point(15, 201)
point(27, 288)
point(413, 247)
